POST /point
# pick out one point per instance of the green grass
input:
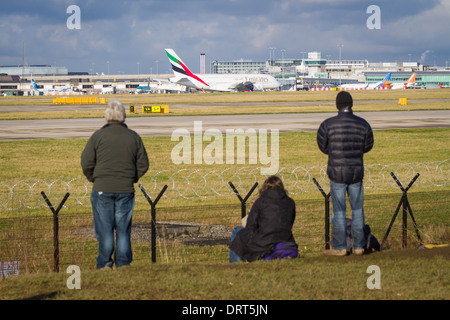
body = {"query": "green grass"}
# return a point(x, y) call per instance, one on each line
point(405, 274)
point(38, 159)
point(243, 97)
point(227, 110)
point(202, 272)
point(41, 162)
point(201, 103)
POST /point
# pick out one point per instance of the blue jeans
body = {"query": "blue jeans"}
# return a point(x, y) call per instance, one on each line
point(356, 197)
point(233, 256)
point(113, 211)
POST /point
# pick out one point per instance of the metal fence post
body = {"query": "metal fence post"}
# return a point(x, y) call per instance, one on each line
point(55, 228)
point(327, 213)
point(404, 203)
point(243, 201)
point(153, 217)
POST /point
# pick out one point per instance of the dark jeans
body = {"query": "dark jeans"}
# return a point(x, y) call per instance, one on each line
point(233, 256)
point(113, 211)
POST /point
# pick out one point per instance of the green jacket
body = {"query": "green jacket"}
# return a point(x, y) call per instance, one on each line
point(114, 159)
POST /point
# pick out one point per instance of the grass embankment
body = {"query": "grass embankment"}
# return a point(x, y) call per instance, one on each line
point(404, 274)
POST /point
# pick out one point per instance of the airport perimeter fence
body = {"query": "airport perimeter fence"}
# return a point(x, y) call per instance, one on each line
point(46, 225)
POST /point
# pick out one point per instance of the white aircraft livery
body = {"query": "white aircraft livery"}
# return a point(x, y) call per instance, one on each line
point(383, 84)
point(218, 82)
point(405, 85)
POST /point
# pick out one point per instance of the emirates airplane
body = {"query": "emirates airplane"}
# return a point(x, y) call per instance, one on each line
point(218, 82)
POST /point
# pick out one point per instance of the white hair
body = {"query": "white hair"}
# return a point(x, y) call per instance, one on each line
point(115, 111)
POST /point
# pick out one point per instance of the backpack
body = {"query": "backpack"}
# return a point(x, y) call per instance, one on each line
point(282, 250)
point(372, 243)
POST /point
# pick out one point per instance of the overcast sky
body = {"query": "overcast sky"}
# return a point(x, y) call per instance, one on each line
point(133, 34)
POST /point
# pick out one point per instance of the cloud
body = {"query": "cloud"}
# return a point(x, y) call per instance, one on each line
point(127, 32)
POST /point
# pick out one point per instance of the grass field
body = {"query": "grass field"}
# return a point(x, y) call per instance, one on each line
point(200, 104)
point(50, 160)
point(405, 273)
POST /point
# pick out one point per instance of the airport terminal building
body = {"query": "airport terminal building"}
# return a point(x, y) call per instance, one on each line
point(293, 74)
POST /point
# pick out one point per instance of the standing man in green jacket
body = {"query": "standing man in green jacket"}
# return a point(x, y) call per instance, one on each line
point(114, 159)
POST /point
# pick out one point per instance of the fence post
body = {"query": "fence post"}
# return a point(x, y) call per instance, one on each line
point(327, 213)
point(243, 201)
point(406, 208)
point(55, 228)
point(153, 217)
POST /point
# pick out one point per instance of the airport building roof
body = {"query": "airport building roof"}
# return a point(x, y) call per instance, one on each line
point(33, 69)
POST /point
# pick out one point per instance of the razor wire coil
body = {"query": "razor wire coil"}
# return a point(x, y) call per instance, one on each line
point(205, 183)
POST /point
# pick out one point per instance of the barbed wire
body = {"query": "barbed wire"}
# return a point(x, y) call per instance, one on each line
point(206, 183)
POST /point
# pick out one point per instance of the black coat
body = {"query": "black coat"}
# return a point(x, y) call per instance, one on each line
point(345, 138)
point(270, 221)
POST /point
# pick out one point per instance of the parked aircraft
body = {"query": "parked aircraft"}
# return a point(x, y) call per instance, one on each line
point(35, 87)
point(405, 85)
point(143, 89)
point(218, 82)
point(368, 86)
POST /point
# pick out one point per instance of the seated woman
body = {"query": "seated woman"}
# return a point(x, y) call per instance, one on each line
point(269, 222)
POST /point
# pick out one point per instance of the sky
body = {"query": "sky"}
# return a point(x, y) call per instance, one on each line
point(129, 37)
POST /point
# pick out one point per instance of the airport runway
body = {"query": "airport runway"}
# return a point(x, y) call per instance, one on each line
point(164, 126)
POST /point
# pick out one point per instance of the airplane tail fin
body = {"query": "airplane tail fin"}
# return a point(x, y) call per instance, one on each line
point(35, 87)
point(178, 66)
point(412, 79)
point(385, 82)
point(180, 70)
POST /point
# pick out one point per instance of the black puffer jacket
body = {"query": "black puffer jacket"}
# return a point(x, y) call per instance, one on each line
point(270, 221)
point(345, 138)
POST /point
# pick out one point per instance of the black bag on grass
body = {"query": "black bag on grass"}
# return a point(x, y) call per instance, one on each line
point(372, 243)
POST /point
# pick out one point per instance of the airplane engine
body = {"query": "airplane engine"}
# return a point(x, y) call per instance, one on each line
point(258, 87)
point(246, 86)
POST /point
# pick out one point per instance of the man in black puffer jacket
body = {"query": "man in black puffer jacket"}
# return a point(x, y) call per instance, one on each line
point(345, 138)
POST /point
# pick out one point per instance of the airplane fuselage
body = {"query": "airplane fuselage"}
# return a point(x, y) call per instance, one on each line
point(225, 82)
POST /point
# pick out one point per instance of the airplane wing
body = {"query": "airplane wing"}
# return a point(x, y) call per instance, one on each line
point(184, 82)
point(161, 81)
